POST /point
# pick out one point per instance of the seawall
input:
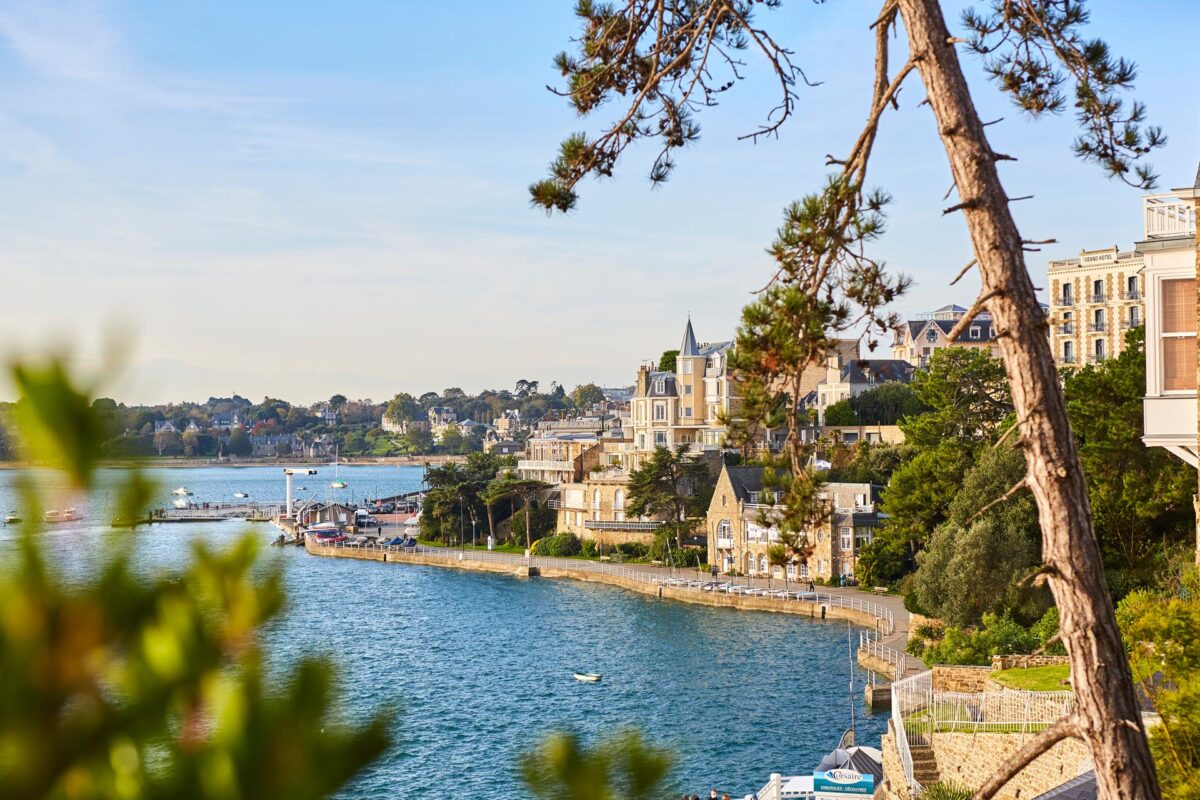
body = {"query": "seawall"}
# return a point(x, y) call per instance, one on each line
point(825, 606)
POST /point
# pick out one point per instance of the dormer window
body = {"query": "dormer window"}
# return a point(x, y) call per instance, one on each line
point(975, 332)
point(660, 386)
point(931, 335)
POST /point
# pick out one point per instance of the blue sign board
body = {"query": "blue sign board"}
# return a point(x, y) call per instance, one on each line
point(843, 782)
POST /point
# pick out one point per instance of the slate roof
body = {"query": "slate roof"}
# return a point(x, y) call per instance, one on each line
point(1082, 787)
point(708, 349)
point(877, 370)
point(689, 347)
point(668, 381)
point(745, 480)
point(917, 327)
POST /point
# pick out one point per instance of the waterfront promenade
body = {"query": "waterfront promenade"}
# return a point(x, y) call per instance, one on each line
point(885, 615)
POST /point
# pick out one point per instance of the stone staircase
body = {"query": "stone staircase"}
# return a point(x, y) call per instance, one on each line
point(925, 767)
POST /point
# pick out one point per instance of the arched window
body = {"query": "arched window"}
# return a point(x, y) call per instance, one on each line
point(619, 498)
point(931, 336)
point(595, 498)
point(751, 563)
point(724, 529)
point(762, 563)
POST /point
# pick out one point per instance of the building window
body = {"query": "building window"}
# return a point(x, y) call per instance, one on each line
point(723, 499)
point(1099, 350)
point(1068, 352)
point(762, 563)
point(1098, 291)
point(660, 411)
point(820, 537)
point(974, 332)
point(1098, 319)
point(1179, 334)
point(619, 499)
point(1066, 294)
point(641, 441)
point(804, 570)
point(595, 498)
point(931, 335)
point(660, 438)
point(847, 540)
point(660, 386)
point(1131, 288)
point(1134, 318)
point(751, 563)
point(687, 366)
point(687, 411)
point(687, 389)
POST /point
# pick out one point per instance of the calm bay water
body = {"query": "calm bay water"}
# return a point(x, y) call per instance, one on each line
point(480, 665)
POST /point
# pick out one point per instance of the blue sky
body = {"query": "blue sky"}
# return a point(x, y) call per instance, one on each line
point(302, 198)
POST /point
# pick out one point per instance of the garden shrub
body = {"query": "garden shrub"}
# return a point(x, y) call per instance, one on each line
point(560, 546)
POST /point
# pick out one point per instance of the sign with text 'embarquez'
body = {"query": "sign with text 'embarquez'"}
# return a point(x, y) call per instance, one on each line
point(839, 783)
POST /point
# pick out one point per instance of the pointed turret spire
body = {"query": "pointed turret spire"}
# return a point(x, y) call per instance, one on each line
point(689, 347)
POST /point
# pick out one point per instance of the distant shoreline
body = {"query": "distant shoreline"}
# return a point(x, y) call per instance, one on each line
point(196, 463)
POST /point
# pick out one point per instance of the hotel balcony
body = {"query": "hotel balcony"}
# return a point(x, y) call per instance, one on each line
point(621, 525)
point(1131, 323)
point(1067, 327)
point(1098, 298)
point(1096, 327)
point(1066, 359)
point(1131, 294)
point(1064, 301)
point(1166, 216)
point(867, 508)
point(556, 504)
point(724, 543)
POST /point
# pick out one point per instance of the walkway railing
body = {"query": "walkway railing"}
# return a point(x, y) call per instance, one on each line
point(918, 712)
point(910, 697)
point(869, 643)
point(883, 616)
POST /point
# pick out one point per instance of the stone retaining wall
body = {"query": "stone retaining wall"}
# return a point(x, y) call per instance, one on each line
point(876, 664)
point(970, 759)
point(743, 602)
point(1025, 662)
point(960, 679)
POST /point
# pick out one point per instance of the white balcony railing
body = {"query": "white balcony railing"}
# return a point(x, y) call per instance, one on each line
point(621, 525)
point(555, 466)
point(724, 543)
point(1167, 217)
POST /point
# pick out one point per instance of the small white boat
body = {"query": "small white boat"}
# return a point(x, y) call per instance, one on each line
point(12, 519)
point(181, 503)
point(588, 677)
point(182, 491)
point(240, 495)
point(64, 515)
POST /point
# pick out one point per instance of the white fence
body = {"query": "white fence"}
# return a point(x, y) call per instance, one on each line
point(918, 712)
point(677, 579)
point(910, 697)
point(869, 642)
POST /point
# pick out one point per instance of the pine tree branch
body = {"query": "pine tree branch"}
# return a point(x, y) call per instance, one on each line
point(972, 312)
point(1065, 728)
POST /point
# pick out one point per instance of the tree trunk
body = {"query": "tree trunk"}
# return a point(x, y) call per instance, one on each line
point(491, 521)
point(1106, 715)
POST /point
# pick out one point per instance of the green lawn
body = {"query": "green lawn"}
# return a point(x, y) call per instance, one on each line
point(1034, 679)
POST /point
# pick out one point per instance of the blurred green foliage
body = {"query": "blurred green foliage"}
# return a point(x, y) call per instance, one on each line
point(624, 766)
point(123, 686)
